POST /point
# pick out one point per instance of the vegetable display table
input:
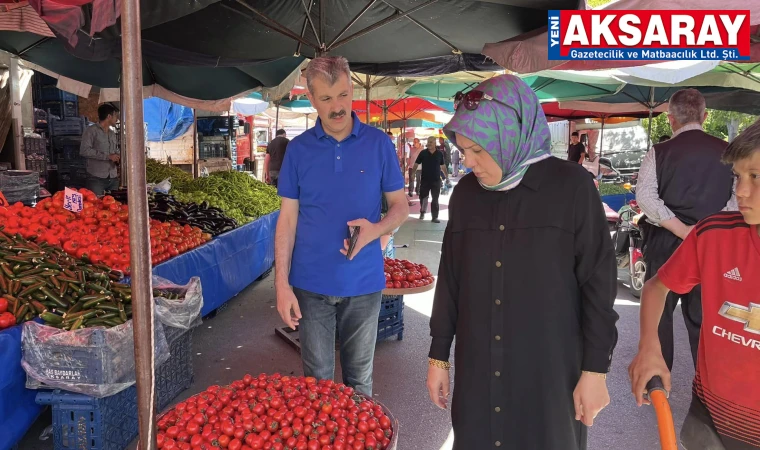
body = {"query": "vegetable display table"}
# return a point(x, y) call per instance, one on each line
point(227, 264)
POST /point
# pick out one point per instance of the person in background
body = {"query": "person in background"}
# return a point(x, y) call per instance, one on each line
point(100, 147)
point(431, 161)
point(576, 151)
point(722, 255)
point(445, 148)
point(681, 181)
point(455, 160)
point(275, 155)
point(390, 136)
point(334, 176)
point(414, 175)
point(663, 138)
point(533, 342)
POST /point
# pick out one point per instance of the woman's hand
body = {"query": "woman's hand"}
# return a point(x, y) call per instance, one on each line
point(590, 397)
point(438, 386)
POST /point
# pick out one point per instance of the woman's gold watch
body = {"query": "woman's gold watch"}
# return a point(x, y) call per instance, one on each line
point(598, 374)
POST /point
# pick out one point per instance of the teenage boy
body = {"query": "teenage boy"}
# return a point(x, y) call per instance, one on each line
point(722, 254)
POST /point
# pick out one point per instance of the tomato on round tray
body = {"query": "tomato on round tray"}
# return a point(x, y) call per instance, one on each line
point(276, 412)
point(403, 274)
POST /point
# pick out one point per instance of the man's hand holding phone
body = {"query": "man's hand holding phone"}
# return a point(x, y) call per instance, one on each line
point(363, 233)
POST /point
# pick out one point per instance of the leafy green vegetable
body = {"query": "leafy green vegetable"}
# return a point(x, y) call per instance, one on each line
point(612, 189)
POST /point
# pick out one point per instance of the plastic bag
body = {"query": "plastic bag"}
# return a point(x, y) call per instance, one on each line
point(164, 186)
point(184, 313)
point(98, 361)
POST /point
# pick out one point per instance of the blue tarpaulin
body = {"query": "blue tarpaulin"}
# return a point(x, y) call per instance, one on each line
point(227, 264)
point(18, 410)
point(166, 120)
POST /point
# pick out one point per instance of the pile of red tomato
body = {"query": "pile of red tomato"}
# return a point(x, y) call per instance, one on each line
point(100, 232)
point(402, 274)
point(7, 319)
point(274, 412)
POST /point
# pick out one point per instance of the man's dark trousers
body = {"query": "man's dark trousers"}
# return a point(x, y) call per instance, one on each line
point(433, 189)
point(660, 246)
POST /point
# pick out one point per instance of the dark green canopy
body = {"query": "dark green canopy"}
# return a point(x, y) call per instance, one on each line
point(213, 49)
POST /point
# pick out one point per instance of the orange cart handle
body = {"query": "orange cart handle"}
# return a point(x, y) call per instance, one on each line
point(658, 396)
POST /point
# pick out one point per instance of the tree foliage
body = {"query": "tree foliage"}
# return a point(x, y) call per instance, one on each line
point(725, 125)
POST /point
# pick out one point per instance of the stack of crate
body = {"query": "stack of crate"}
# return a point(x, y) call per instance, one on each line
point(49, 98)
point(35, 151)
point(72, 168)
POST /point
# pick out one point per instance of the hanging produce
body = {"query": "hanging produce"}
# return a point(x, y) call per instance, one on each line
point(41, 280)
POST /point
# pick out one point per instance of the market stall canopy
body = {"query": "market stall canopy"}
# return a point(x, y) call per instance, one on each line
point(402, 108)
point(692, 73)
point(405, 36)
point(414, 123)
point(559, 85)
point(191, 75)
point(408, 37)
point(586, 110)
point(445, 87)
point(529, 52)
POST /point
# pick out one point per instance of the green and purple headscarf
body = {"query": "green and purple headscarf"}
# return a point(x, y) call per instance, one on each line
point(515, 138)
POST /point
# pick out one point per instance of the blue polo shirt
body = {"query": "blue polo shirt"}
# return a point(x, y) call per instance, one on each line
point(334, 183)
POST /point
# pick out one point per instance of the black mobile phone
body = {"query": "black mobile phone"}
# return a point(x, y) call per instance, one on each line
point(353, 236)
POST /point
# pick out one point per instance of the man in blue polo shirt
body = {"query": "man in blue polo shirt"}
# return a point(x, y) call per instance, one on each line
point(334, 176)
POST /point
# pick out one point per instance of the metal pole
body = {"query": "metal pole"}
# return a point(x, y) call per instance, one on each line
point(651, 110)
point(17, 130)
point(277, 118)
point(122, 136)
point(139, 241)
point(385, 114)
point(366, 97)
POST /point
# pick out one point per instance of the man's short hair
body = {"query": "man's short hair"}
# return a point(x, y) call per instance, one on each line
point(575, 134)
point(687, 106)
point(280, 132)
point(329, 68)
point(744, 145)
point(105, 110)
point(390, 134)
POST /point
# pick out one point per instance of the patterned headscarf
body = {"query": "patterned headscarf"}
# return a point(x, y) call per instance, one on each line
point(512, 128)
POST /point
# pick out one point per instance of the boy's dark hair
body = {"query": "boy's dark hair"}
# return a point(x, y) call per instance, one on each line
point(575, 133)
point(105, 110)
point(744, 145)
point(280, 132)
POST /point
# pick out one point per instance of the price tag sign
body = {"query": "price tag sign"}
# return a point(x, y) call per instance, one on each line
point(3, 201)
point(72, 200)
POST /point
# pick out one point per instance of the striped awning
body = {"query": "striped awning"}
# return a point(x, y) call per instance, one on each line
point(19, 16)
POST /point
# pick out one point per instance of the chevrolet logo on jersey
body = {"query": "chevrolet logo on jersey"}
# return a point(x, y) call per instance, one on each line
point(749, 316)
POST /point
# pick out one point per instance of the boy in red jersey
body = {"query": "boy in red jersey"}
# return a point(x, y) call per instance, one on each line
point(722, 254)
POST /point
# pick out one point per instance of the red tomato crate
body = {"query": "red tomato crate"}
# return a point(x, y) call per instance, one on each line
point(391, 319)
point(81, 422)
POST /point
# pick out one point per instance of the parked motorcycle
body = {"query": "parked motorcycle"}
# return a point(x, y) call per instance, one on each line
point(628, 241)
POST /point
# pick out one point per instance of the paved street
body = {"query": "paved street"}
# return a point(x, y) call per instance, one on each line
point(241, 340)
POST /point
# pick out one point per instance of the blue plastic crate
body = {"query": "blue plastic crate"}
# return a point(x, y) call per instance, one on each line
point(81, 422)
point(67, 127)
point(63, 110)
point(391, 325)
point(176, 374)
point(53, 94)
point(391, 305)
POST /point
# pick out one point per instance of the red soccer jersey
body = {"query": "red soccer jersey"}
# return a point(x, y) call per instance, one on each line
point(723, 255)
